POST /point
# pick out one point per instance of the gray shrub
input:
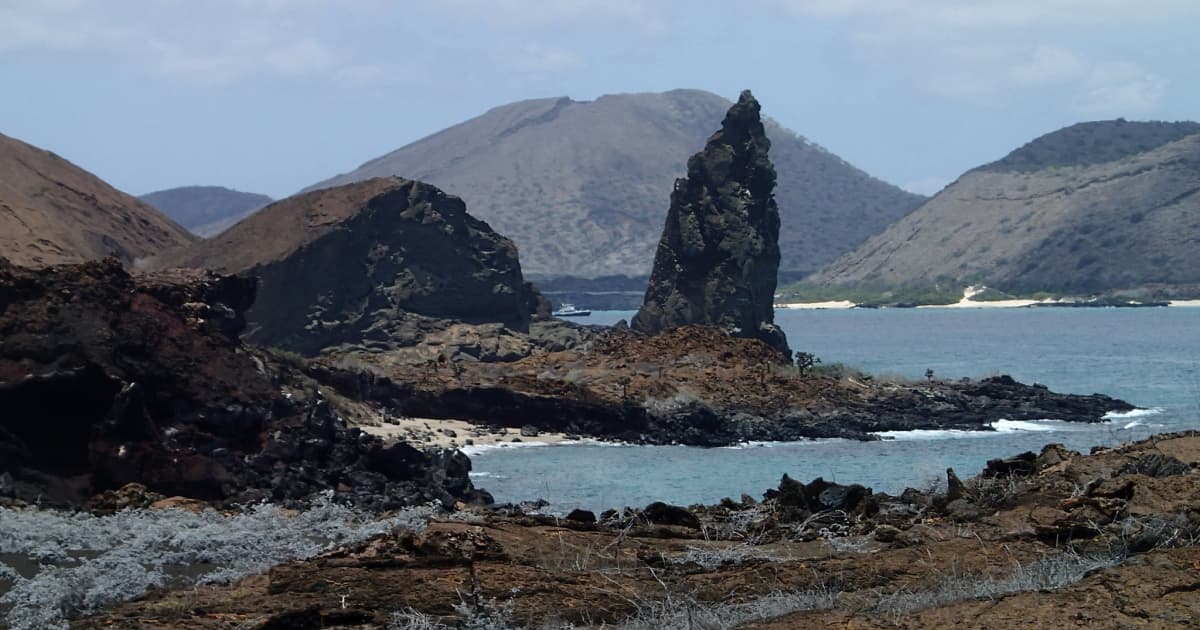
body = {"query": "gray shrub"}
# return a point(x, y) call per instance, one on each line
point(81, 563)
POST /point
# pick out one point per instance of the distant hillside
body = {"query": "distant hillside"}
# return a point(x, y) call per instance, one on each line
point(1051, 217)
point(52, 212)
point(205, 210)
point(583, 187)
point(1089, 143)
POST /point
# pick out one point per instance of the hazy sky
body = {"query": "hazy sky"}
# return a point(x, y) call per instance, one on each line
point(272, 95)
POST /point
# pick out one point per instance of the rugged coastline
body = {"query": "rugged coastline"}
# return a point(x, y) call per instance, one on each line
point(696, 386)
point(1052, 538)
point(311, 484)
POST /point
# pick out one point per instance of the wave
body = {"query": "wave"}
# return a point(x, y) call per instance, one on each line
point(478, 449)
point(1014, 426)
point(921, 435)
point(1136, 413)
point(764, 444)
point(482, 474)
point(999, 427)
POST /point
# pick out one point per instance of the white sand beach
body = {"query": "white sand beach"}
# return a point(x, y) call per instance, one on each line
point(818, 305)
point(443, 433)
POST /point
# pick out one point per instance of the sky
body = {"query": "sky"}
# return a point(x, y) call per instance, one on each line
point(270, 96)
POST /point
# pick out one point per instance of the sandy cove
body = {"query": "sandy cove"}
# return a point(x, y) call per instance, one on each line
point(447, 433)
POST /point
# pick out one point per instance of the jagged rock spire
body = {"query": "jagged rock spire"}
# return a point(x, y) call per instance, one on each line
point(718, 258)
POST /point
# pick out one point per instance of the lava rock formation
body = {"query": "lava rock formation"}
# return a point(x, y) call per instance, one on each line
point(361, 263)
point(718, 258)
point(107, 379)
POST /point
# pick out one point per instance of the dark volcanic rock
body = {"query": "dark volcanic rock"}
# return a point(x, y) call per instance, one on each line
point(718, 258)
point(361, 263)
point(107, 379)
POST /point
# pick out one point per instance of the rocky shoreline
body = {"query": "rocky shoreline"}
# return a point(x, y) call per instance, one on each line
point(1103, 540)
point(696, 386)
point(110, 378)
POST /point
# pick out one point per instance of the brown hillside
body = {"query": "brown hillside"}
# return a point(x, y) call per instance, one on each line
point(356, 263)
point(1032, 223)
point(278, 230)
point(52, 212)
point(583, 188)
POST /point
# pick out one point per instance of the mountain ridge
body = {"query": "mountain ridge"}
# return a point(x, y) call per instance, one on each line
point(1124, 224)
point(582, 187)
point(205, 210)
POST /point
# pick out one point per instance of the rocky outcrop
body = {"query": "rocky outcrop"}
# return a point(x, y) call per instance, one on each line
point(107, 379)
point(719, 254)
point(368, 263)
point(53, 212)
point(1093, 208)
point(695, 385)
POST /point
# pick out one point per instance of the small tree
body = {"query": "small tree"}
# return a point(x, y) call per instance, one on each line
point(624, 382)
point(805, 361)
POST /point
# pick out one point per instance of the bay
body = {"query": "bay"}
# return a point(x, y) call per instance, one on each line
point(1148, 356)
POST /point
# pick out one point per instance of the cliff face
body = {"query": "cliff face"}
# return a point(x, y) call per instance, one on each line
point(53, 212)
point(1091, 208)
point(580, 186)
point(350, 264)
point(718, 258)
point(108, 379)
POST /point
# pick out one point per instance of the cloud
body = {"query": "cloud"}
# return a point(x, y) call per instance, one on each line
point(983, 14)
point(210, 43)
point(986, 48)
point(536, 58)
point(1048, 64)
point(645, 15)
point(1120, 89)
point(927, 186)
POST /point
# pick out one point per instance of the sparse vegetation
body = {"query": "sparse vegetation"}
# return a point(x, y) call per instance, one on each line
point(80, 563)
point(872, 294)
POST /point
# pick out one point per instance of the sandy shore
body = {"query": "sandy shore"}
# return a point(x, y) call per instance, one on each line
point(818, 305)
point(441, 433)
point(967, 301)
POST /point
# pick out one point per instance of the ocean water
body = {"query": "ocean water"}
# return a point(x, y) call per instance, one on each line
point(1150, 357)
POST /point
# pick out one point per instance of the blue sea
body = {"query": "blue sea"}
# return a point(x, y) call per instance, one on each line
point(1147, 356)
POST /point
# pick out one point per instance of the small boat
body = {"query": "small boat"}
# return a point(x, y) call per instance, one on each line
point(569, 310)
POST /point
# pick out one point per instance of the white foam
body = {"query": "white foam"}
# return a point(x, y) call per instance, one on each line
point(1013, 426)
point(476, 449)
point(1136, 413)
point(916, 435)
point(999, 427)
point(764, 444)
point(485, 474)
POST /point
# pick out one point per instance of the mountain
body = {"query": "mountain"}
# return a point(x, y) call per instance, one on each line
point(205, 210)
point(364, 262)
point(583, 188)
point(1094, 207)
point(52, 211)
